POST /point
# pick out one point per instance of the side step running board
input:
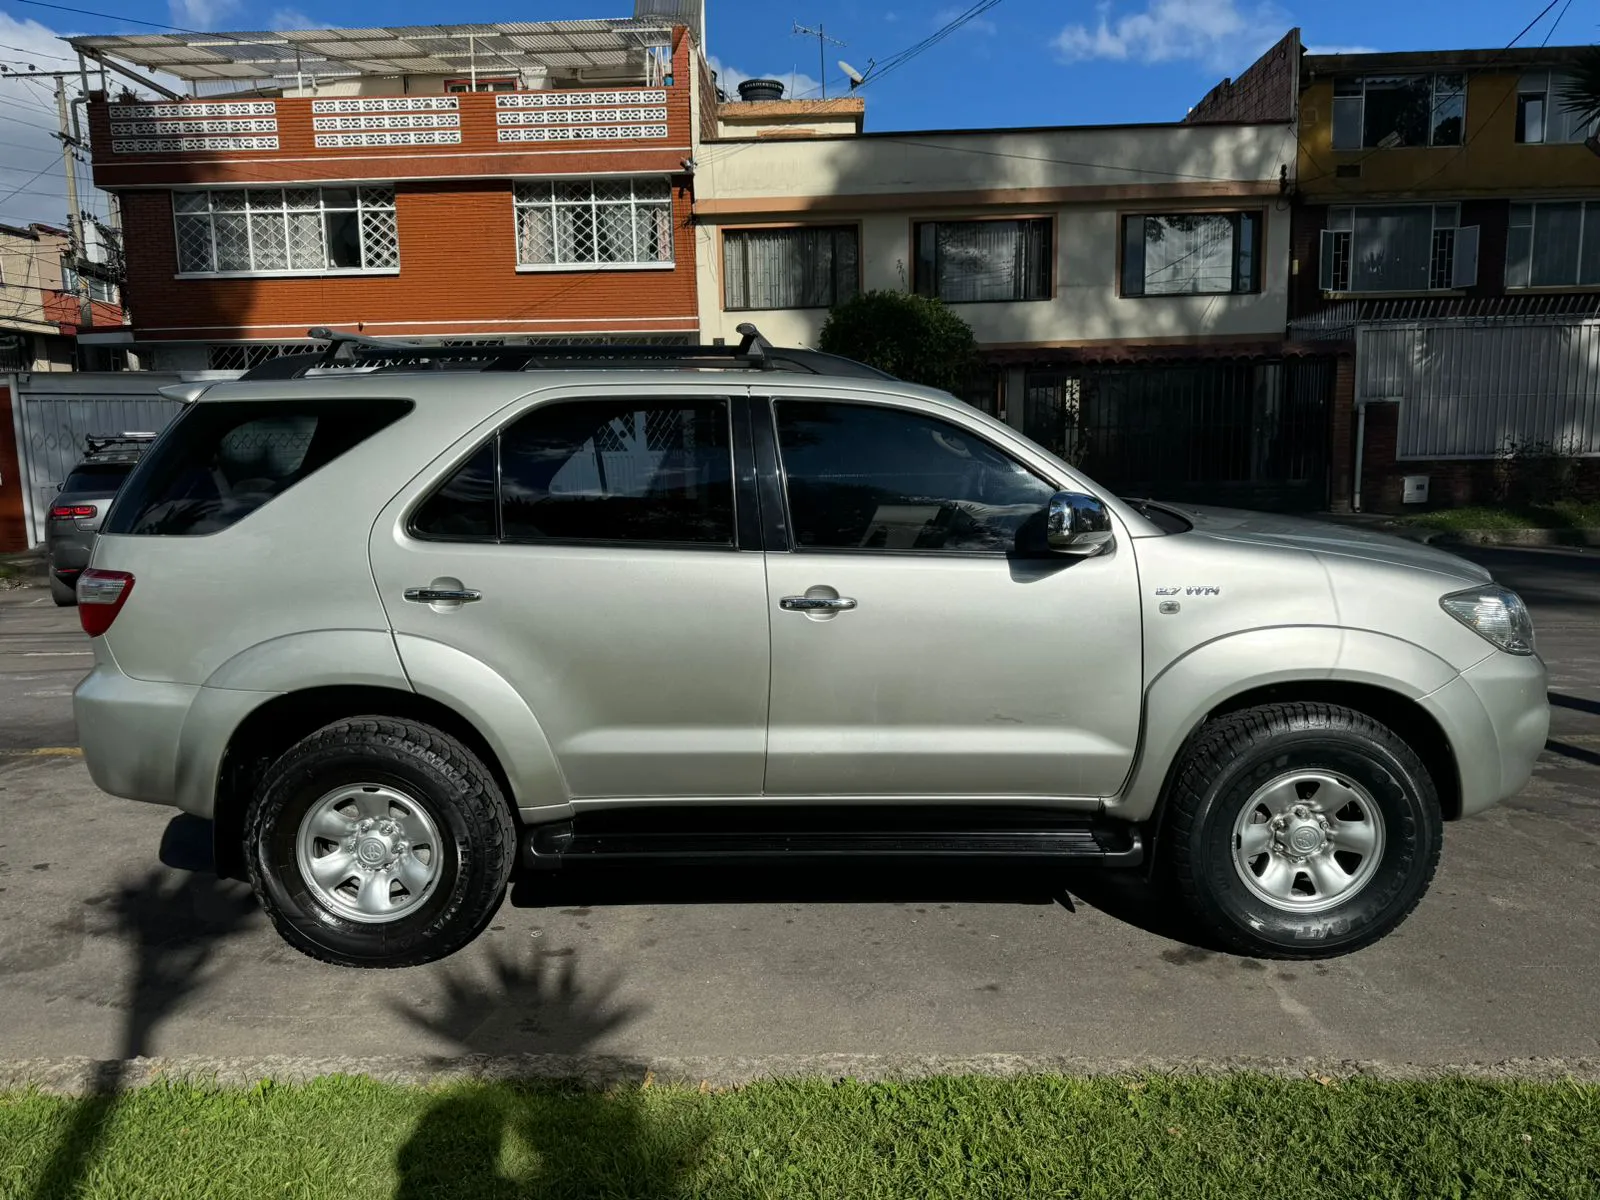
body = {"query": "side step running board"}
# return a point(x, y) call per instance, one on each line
point(550, 846)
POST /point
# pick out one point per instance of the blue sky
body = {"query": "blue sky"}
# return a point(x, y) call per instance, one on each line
point(1025, 62)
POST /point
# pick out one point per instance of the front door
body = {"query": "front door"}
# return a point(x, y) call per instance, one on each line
point(915, 650)
point(612, 593)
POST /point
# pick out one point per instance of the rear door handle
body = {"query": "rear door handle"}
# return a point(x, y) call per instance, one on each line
point(816, 603)
point(434, 595)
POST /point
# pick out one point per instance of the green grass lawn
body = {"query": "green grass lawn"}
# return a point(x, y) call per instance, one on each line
point(1563, 514)
point(1158, 1137)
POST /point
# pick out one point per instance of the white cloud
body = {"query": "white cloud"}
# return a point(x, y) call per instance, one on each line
point(202, 14)
point(1341, 50)
point(1218, 33)
point(797, 85)
point(979, 25)
point(292, 18)
point(32, 160)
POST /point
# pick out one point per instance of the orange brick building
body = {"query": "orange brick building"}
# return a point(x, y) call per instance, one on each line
point(527, 181)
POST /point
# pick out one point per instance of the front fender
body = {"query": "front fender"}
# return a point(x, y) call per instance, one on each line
point(497, 710)
point(1190, 688)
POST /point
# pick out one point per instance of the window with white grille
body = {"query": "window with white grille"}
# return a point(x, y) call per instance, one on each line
point(595, 223)
point(1398, 248)
point(286, 231)
point(241, 356)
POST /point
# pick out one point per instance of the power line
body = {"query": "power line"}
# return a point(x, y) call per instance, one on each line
point(25, 183)
point(37, 53)
point(895, 61)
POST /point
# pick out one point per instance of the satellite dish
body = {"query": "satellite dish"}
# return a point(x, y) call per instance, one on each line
point(855, 77)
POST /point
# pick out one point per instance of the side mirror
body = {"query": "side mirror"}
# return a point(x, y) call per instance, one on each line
point(1078, 525)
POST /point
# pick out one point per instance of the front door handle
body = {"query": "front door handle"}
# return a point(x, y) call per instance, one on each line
point(440, 595)
point(816, 603)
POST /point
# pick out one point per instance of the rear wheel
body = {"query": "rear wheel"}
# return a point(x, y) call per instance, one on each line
point(64, 594)
point(1301, 830)
point(379, 843)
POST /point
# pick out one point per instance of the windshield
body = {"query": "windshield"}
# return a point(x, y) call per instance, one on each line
point(96, 477)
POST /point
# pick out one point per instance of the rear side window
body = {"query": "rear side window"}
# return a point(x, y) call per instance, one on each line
point(218, 463)
point(96, 477)
point(633, 471)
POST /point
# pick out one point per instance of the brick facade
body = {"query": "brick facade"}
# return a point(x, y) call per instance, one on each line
point(13, 526)
point(1268, 91)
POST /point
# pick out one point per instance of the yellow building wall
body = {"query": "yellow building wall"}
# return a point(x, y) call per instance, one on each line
point(1491, 163)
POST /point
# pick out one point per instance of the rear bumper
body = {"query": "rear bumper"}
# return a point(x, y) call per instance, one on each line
point(70, 550)
point(1497, 717)
point(160, 743)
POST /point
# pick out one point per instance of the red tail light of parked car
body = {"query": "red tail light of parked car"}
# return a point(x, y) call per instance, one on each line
point(101, 595)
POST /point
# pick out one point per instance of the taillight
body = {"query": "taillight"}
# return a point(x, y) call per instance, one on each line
point(73, 510)
point(101, 595)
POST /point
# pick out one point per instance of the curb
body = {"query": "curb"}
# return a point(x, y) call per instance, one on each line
point(84, 1076)
point(27, 569)
point(1513, 537)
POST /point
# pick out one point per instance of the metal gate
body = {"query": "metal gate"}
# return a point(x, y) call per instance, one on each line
point(1246, 433)
point(54, 411)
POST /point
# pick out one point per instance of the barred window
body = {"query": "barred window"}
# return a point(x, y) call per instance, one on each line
point(263, 231)
point(594, 223)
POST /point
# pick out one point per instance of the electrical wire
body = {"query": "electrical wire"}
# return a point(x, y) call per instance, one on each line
point(38, 53)
point(895, 61)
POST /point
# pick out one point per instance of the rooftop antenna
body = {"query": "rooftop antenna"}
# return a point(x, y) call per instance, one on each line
point(823, 41)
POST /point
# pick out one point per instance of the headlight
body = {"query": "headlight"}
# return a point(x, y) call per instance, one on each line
point(1495, 614)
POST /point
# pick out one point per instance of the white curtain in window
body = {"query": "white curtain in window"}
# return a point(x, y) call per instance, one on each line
point(989, 260)
point(788, 268)
point(1188, 253)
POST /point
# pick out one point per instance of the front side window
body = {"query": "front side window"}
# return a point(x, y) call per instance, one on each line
point(563, 223)
point(286, 231)
point(1189, 254)
point(1398, 248)
point(1542, 114)
point(627, 471)
point(1554, 245)
point(864, 477)
point(970, 262)
point(220, 462)
point(810, 267)
point(1384, 111)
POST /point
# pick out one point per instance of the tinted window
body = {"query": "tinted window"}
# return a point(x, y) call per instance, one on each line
point(104, 478)
point(220, 462)
point(463, 509)
point(868, 478)
point(627, 471)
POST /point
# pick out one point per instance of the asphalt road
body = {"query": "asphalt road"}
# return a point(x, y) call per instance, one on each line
point(105, 952)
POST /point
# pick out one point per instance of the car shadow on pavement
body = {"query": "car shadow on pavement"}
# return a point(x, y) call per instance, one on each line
point(510, 1137)
point(1123, 895)
point(172, 926)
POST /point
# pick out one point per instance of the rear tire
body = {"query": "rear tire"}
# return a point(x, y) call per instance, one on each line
point(377, 842)
point(64, 594)
point(1300, 830)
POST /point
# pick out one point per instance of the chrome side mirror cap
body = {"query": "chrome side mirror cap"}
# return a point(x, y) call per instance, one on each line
point(1078, 525)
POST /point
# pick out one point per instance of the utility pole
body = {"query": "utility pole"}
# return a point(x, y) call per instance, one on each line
point(74, 213)
point(822, 51)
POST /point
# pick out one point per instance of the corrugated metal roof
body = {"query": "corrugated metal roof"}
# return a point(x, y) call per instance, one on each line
point(398, 50)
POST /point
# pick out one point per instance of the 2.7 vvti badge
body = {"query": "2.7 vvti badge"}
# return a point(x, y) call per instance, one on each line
point(400, 631)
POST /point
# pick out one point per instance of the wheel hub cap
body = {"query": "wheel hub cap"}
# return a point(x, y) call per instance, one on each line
point(1308, 840)
point(370, 853)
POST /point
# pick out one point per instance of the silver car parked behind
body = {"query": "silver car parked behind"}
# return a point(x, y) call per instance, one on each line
point(399, 631)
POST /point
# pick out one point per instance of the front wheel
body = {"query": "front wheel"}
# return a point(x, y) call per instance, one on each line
point(1301, 830)
point(379, 843)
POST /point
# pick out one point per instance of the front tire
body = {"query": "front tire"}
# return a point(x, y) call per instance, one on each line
point(377, 842)
point(1301, 830)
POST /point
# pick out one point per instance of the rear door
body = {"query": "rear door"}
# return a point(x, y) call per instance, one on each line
point(609, 544)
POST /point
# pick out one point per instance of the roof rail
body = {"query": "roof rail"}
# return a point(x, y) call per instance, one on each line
point(98, 443)
point(753, 353)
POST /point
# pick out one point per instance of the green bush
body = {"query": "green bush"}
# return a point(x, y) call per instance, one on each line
point(912, 337)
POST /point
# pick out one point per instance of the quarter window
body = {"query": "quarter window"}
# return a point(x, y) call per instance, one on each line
point(286, 231)
point(864, 477)
point(813, 267)
point(1553, 245)
point(1384, 111)
point(1398, 248)
point(966, 262)
point(593, 223)
point(655, 472)
point(1189, 254)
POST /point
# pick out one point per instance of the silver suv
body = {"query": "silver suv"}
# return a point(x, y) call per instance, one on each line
point(401, 631)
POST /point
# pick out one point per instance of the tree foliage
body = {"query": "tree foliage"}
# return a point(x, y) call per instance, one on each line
point(1581, 95)
point(914, 338)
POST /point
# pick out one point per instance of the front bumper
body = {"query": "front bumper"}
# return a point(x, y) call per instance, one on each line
point(1497, 717)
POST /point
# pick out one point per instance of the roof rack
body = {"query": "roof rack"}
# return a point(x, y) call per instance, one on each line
point(753, 353)
point(100, 443)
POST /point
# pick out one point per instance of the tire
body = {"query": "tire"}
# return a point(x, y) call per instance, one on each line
point(428, 803)
point(1294, 760)
point(64, 594)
